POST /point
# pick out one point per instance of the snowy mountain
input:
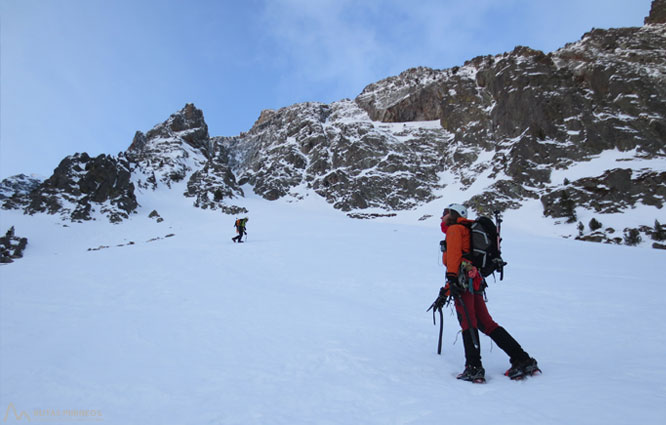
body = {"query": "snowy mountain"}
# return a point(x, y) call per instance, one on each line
point(581, 130)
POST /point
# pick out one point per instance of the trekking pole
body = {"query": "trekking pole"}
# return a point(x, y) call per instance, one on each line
point(469, 322)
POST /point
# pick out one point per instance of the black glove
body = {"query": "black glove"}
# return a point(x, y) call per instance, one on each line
point(453, 282)
point(441, 298)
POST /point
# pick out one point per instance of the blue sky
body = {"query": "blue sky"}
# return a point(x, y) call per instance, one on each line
point(85, 75)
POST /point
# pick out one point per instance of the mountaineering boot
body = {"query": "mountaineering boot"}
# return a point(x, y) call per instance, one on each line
point(522, 369)
point(521, 363)
point(473, 370)
point(475, 374)
point(509, 345)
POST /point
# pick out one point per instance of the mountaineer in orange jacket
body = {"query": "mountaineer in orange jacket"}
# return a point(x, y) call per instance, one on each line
point(467, 286)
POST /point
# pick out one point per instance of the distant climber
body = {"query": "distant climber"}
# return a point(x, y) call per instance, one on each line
point(240, 229)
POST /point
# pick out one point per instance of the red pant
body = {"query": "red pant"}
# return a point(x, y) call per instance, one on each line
point(478, 313)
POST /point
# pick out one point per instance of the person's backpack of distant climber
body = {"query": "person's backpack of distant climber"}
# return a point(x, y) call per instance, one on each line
point(485, 252)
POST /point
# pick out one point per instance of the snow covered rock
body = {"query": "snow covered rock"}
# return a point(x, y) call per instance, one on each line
point(180, 148)
point(171, 150)
point(11, 246)
point(340, 153)
point(614, 191)
point(14, 190)
point(537, 112)
point(82, 185)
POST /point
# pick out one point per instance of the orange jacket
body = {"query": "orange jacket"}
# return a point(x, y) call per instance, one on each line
point(457, 244)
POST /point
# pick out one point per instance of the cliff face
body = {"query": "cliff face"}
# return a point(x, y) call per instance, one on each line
point(513, 118)
point(338, 152)
point(657, 13)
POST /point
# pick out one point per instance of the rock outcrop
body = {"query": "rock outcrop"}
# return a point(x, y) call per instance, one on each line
point(82, 185)
point(657, 13)
point(14, 190)
point(11, 246)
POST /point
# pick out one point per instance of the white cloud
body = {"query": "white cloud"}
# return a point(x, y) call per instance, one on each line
point(324, 42)
point(348, 44)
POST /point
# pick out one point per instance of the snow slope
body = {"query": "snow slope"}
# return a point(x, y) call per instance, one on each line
point(317, 319)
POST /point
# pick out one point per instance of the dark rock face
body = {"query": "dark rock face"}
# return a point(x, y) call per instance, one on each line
point(339, 153)
point(614, 191)
point(414, 95)
point(81, 184)
point(657, 13)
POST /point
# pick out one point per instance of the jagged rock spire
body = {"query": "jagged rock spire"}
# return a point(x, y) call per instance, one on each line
point(187, 124)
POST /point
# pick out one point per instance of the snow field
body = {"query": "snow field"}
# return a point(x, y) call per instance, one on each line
point(318, 319)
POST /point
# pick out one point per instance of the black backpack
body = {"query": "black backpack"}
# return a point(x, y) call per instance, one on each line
point(485, 250)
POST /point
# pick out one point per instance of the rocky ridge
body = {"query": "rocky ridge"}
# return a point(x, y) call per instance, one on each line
point(503, 124)
point(512, 119)
point(177, 150)
point(13, 191)
point(535, 112)
point(80, 185)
